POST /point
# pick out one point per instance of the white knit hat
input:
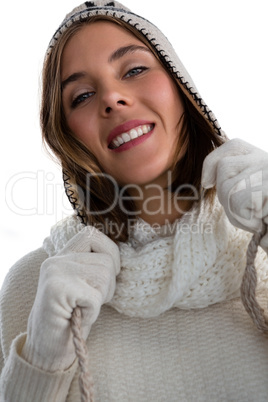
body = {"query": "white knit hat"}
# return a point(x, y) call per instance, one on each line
point(153, 35)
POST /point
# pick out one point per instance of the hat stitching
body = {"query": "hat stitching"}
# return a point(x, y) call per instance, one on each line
point(92, 4)
point(72, 199)
point(161, 52)
point(80, 13)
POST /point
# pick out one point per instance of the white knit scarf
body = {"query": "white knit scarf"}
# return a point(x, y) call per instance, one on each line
point(197, 261)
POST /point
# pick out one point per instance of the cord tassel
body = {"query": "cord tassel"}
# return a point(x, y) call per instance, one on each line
point(85, 378)
point(249, 284)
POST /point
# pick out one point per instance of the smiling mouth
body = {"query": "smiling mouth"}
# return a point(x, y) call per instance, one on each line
point(130, 135)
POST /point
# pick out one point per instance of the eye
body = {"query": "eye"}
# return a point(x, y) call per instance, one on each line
point(135, 71)
point(81, 98)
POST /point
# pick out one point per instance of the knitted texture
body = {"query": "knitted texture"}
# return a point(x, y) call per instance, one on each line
point(210, 355)
point(135, 359)
point(196, 262)
point(248, 288)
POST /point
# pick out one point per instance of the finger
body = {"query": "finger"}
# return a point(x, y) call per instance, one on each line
point(80, 242)
point(101, 243)
point(212, 161)
point(87, 240)
point(91, 239)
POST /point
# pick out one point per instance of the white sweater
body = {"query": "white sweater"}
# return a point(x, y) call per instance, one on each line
point(143, 347)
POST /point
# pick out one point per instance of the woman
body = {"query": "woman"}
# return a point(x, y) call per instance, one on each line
point(147, 246)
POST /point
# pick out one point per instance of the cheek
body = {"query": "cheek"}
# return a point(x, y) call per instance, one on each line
point(163, 93)
point(79, 124)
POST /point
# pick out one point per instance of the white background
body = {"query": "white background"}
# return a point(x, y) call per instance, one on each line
point(222, 43)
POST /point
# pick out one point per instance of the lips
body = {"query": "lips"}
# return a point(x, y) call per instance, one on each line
point(130, 135)
point(128, 132)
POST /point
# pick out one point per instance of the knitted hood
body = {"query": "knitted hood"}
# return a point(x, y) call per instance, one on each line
point(153, 35)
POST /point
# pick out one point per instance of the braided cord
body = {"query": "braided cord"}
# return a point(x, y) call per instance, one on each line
point(85, 378)
point(249, 284)
point(248, 297)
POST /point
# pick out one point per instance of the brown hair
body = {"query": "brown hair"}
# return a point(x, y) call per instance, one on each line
point(196, 140)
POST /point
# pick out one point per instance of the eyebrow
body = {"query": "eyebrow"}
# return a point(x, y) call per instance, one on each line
point(116, 55)
point(72, 78)
point(122, 51)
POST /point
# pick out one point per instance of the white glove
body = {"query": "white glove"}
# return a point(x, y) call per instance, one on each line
point(83, 274)
point(240, 172)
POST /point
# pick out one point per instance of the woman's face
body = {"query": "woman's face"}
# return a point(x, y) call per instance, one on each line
point(120, 102)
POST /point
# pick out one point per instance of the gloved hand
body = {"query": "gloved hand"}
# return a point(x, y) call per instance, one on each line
point(240, 172)
point(83, 274)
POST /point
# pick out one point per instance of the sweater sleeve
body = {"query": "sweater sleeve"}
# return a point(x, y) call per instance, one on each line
point(19, 380)
point(23, 382)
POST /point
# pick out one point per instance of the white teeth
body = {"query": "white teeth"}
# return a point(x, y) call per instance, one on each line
point(140, 132)
point(145, 129)
point(131, 135)
point(126, 137)
point(117, 143)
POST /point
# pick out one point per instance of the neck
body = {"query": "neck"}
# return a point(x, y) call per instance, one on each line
point(157, 205)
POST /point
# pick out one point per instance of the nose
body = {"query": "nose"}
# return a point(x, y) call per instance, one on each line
point(117, 105)
point(114, 98)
